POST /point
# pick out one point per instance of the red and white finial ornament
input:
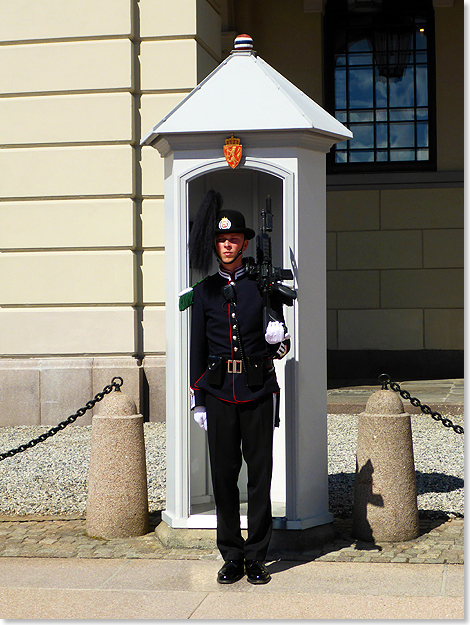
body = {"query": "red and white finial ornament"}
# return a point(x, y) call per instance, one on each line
point(243, 42)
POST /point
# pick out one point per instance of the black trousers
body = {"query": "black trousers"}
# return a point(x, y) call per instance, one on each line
point(233, 430)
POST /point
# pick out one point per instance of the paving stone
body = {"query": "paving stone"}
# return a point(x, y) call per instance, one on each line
point(48, 541)
point(68, 539)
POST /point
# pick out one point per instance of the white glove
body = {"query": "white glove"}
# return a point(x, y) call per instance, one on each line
point(275, 332)
point(200, 416)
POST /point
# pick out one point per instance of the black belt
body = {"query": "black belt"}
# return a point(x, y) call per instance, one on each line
point(236, 366)
point(218, 366)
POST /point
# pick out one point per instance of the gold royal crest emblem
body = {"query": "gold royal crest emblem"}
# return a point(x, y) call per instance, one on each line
point(232, 151)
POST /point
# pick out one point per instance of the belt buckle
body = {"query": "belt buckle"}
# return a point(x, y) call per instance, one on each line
point(234, 366)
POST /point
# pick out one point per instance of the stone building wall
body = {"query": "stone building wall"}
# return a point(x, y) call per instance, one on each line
point(81, 207)
point(81, 204)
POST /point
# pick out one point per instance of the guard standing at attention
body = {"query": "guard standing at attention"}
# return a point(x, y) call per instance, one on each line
point(233, 386)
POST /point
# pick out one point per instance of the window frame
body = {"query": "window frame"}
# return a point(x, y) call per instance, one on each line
point(337, 9)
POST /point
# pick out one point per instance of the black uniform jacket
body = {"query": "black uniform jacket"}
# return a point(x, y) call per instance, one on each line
point(215, 339)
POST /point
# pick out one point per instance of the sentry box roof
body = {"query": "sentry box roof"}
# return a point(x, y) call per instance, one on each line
point(244, 93)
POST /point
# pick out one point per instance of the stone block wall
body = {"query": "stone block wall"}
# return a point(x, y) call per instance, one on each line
point(45, 391)
point(395, 270)
point(81, 205)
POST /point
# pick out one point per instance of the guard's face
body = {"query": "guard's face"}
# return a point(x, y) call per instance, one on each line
point(228, 245)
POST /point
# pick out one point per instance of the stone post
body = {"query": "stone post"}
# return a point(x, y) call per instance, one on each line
point(385, 500)
point(117, 503)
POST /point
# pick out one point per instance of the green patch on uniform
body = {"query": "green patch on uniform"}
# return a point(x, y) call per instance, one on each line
point(186, 297)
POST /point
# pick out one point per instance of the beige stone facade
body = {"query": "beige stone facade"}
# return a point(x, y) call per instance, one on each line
point(396, 269)
point(81, 204)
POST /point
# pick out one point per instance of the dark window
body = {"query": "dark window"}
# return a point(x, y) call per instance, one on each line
point(380, 83)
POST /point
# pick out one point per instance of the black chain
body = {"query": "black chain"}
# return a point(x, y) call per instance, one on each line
point(116, 384)
point(385, 380)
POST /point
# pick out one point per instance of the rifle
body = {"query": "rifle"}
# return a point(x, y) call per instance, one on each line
point(267, 276)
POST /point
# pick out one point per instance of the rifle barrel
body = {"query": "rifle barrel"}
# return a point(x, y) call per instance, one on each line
point(268, 215)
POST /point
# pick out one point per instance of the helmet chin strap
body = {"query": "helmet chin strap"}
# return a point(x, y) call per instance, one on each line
point(231, 261)
point(240, 252)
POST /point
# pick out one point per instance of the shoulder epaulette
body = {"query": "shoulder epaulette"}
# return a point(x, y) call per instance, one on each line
point(186, 297)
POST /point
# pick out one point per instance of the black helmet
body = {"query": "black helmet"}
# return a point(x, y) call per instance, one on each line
point(232, 221)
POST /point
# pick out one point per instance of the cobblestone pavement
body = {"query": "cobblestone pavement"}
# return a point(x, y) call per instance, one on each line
point(440, 541)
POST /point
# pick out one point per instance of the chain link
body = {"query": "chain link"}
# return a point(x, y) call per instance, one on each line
point(385, 380)
point(116, 384)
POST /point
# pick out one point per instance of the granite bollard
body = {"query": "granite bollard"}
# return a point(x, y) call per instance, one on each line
point(117, 501)
point(385, 498)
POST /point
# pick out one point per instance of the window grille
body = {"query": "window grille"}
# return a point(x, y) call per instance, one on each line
point(380, 83)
